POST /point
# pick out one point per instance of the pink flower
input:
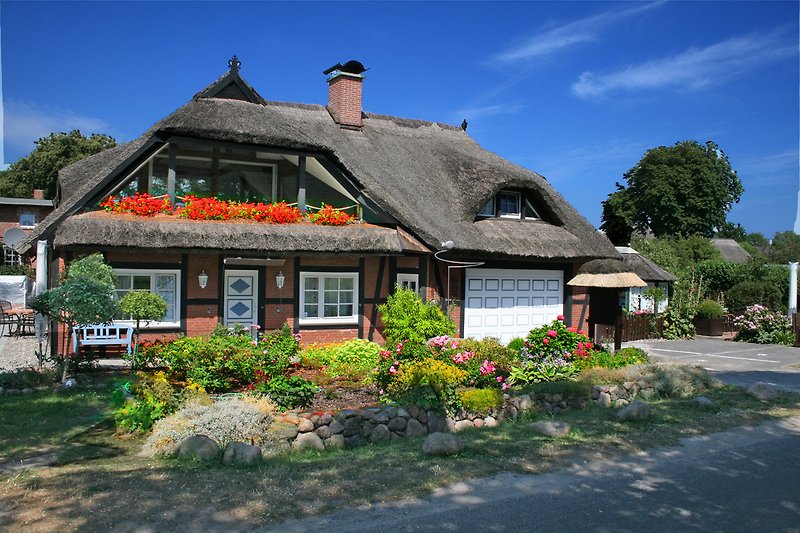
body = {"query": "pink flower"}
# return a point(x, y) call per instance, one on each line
point(546, 340)
point(560, 317)
point(265, 352)
point(553, 333)
point(397, 363)
point(499, 379)
point(505, 386)
point(255, 326)
point(580, 332)
point(487, 367)
point(392, 370)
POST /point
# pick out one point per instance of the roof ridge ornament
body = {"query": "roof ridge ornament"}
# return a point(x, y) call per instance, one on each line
point(234, 64)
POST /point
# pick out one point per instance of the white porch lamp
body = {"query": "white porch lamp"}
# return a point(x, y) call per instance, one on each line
point(202, 279)
point(280, 279)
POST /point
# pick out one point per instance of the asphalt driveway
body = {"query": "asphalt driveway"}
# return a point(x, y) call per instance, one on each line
point(731, 362)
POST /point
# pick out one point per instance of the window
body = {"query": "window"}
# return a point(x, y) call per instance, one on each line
point(408, 281)
point(328, 298)
point(509, 204)
point(27, 220)
point(165, 283)
point(10, 257)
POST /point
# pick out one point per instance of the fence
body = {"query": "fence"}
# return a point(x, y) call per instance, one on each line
point(796, 328)
point(633, 328)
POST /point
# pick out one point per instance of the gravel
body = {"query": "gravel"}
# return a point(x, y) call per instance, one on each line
point(17, 352)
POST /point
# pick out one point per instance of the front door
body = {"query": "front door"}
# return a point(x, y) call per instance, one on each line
point(241, 297)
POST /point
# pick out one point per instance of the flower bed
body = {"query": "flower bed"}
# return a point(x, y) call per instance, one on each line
point(196, 208)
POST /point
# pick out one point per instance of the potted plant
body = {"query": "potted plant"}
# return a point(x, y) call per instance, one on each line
point(708, 318)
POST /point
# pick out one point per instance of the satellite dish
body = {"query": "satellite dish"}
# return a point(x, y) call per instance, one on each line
point(12, 236)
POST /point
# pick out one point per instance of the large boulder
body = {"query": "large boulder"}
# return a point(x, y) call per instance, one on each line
point(441, 444)
point(241, 453)
point(199, 447)
point(308, 441)
point(439, 423)
point(415, 428)
point(635, 411)
point(380, 433)
point(762, 391)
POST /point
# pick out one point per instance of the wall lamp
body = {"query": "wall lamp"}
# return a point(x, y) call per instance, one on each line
point(451, 264)
point(280, 279)
point(202, 279)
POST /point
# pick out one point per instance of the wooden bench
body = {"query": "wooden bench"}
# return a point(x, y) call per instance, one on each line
point(101, 335)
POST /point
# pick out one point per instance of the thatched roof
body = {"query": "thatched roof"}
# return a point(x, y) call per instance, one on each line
point(644, 267)
point(730, 250)
point(606, 273)
point(164, 232)
point(432, 178)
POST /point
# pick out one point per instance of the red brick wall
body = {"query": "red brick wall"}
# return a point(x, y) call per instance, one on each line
point(579, 313)
point(344, 99)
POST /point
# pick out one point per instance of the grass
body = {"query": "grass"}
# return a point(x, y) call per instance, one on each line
point(171, 495)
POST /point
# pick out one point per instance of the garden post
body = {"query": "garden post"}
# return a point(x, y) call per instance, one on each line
point(618, 330)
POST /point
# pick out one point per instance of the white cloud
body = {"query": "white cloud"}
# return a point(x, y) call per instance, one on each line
point(768, 170)
point(473, 113)
point(692, 70)
point(555, 39)
point(26, 122)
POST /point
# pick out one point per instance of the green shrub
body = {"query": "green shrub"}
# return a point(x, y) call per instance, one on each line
point(516, 344)
point(550, 353)
point(749, 293)
point(23, 378)
point(355, 358)
point(678, 322)
point(709, 309)
point(568, 389)
point(624, 357)
point(763, 326)
point(480, 401)
point(407, 318)
point(224, 362)
point(490, 349)
point(287, 393)
point(153, 398)
point(428, 383)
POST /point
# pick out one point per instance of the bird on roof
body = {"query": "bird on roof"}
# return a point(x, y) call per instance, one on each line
point(464, 125)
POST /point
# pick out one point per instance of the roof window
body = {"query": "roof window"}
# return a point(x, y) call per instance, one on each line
point(508, 203)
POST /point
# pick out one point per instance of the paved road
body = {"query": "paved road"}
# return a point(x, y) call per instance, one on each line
point(736, 363)
point(747, 479)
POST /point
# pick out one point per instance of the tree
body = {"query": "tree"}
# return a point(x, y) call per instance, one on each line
point(142, 305)
point(785, 247)
point(39, 169)
point(731, 231)
point(679, 190)
point(85, 297)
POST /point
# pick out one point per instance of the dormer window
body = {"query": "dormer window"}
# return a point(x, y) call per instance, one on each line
point(510, 204)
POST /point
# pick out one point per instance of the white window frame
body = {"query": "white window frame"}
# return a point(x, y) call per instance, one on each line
point(176, 322)
point(321, 319)
point(11, 256)
point(406, 280)
point(27, 226)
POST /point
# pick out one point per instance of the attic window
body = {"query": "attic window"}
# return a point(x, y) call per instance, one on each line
point(511, 204)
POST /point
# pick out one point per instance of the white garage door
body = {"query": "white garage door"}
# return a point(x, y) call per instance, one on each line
point(506, 303)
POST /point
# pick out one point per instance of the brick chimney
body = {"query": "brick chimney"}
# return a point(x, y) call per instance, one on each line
point(38, 194)
point(344, 93)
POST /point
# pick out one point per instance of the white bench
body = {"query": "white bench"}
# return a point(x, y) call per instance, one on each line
point(101, 335)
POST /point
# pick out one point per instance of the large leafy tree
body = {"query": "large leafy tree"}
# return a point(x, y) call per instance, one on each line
point(785, 247)
point(679, 190)
point(39, 169)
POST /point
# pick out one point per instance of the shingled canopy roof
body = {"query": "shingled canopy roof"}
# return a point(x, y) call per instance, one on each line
point(431, 177)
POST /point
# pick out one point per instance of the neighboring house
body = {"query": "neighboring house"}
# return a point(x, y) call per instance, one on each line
point(652, 274)
point(23, 214)
point(416, 185)
point(730, 250)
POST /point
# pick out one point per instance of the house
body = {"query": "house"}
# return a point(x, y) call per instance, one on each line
point(20, 215)
point(435, 212)
point(730, 250)
point(652, 274)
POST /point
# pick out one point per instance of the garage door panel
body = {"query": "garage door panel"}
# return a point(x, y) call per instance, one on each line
point(507, 303)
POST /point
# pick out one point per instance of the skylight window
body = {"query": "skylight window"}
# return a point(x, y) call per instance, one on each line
point(511, 204)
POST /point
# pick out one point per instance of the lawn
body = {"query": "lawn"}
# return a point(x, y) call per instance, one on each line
point(92, 492)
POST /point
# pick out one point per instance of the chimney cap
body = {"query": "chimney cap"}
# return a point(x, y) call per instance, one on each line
point(351, 67)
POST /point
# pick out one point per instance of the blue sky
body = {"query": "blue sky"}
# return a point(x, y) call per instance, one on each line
point(576, 91)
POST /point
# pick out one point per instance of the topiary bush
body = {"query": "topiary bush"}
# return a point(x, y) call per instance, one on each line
point(480, 401)
point(708, 310)
point(750, 293)
point(406, 318)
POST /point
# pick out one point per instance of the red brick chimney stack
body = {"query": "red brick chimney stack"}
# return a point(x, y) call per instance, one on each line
point(38, 194)
point(344, 93)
